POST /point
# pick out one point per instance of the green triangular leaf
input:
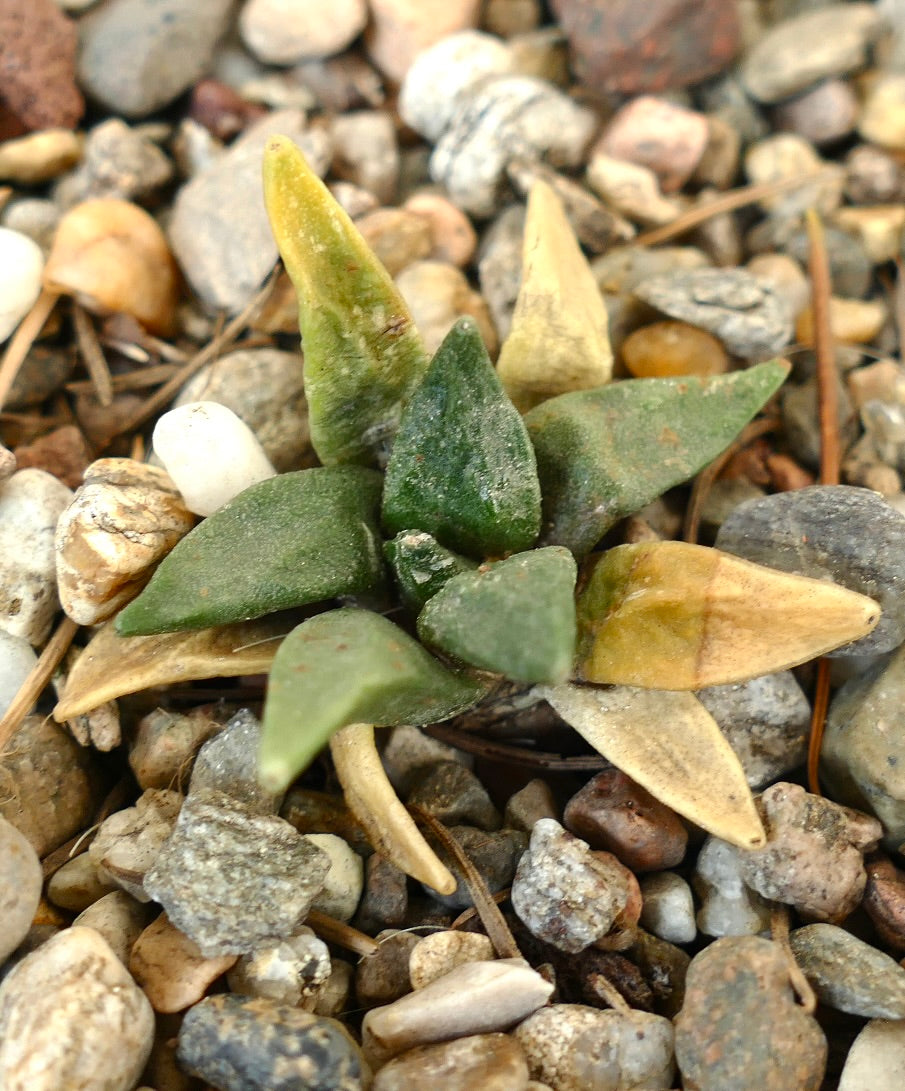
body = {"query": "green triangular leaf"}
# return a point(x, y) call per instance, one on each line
point(294, 539)
point(516, 617)
point(421, 566)
point(462, 467)
point(603, 454)
point(363, 354)
point(349, 666)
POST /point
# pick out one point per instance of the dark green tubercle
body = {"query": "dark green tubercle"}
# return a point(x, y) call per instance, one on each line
point(515, 617)
point(298, 538)
point(462, 467)
point(602, 454)
point(350, 666)
point(421, 566)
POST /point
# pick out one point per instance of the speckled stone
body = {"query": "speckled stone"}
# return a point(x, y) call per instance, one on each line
point(529, 804)
point(850, 535)
point(117, 161)
point(20, 887)
point(747, 314)
point(848, 974)
point(438, 953)
point(292, 972)
point(233, 880)
point(163, 744)
point(383, 976)
point(491, 1062)
point(454, 796)
point(740, 1026)
point(242, 1044)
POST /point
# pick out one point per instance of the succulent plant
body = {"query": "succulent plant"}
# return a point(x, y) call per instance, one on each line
point(448, 542)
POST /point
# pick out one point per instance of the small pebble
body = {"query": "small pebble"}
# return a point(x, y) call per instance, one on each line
point(438, 953)
point(163, 744)
point(746, 314)
point(408, 752)
point(848, 974)
point(17, 658)
point(39, 157)
point(72, 982)
point(77, 885)
point(884, 901)
point(766, 721)
point(333, 997)
point(233, 880)
point(810, 532)
point(136, 57)
point(342, 885)
point(210, 454)
point(124, 519)
point(129, 841)
point(31, 502)
point(824, 114)
point(614, 813)
point(728, 906)
point(117, 161)
point(838, 37)
point(437, 295)
point(667, 908)
point(879, 229)
point(507, 115)
point(876, 1058)
point(492, 1062)
point(500, 265)
point(366, 152)
point(477, 998)
point(383, 976)
point(573, 1048)
point(384, 900)
point(21, 265)
point(787, 275)
point(399, 30)
point(814, 855)
point(454, 796)
point(228, 763)
point(494, 854)
point(566, 894)
point(453, 239)
point(292, 972)
point(882, 118)
point(396, 236)
point(852, 321)
point(242, 1044)
point(873, 176)
point(800, 422)
point(851, 269)
point(287, 31)
point(170, 967)
point(528, 805)
point(784, 156)
point(664, 350)
point(119, 918)
point(657, 134)
point(630, 189)
point(64, 452)
point(20, 887)
point(740, 1026)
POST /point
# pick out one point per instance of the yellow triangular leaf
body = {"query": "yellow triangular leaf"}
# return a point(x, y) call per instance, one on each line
point(559, 338)
point(113, 665)
point(670, 615)
point(671, 745)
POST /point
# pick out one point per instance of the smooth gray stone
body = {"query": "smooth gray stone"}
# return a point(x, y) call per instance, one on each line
point(228, 763)
point(830, 532)
point(848, 974)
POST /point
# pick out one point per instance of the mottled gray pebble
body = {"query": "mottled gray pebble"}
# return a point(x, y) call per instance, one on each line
point(384, 900)
point(766, 721)
point(20, 887)
point(500, 265)
point(495, 855)
point(740, 1027)
point(849, 535)
point(383, 976)
point(566, 894)
point(408, 752)
point(232, 880)
point(366, 152)
point(454, 796)
point(848, 974)
point(228, 763)
point(800, 420)
point(746, 313)
point(117, 161)
point(242, 1044)
point(728, 907)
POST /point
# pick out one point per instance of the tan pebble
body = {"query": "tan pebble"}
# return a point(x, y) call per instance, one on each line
point(128, 842)
point(400, 29)
point(631, 190)
point(785, 155)
point(855, 321)
point(20, 887)
point(507, 17)
point(292, 972)
point(77, 884)
point(72, 1017)
point(113, 258)
point(657, 134)
point(883, 112)
point(883, 381)
point(170, 967)
point(440, 952)
point(453, 239)
point(162, 746)
point(119, 918)
point(333, 996)
point(491, 1062)
point(719, 161)
point(38, 157)
point(541, 53)
point(121, 522)
point(666, 349)
point(879, 228)
point(64, 452)
point(787, 274)
point(7, 463)
point(366, 152)
point(398, 237)
point(437, 294)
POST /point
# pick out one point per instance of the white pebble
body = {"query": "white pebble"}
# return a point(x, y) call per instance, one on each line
point(287, 31)
point(876, 1058)
point(210, 454)
point(17, 657)
point(31, 502)
point(344, 882)
point(20, 887)
point(668, 907)
point(21, 266)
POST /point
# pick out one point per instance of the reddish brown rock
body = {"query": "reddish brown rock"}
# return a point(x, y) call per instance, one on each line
point(884, 900)
point(37, 62)
point(626, 46)
point(657, 134)
point(612, 812)
point(64, 452)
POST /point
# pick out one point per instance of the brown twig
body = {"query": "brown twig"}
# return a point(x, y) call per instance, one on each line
point(730, 201)
point(92, 355)
point(518, 755)
point(494, 922)
point(22, 340)
point(139, 379)
point(830, 454)
point(779, 931)
point(40, 674)
point(340, 933)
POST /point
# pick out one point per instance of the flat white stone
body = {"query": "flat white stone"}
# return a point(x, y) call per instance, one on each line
point(21, 266)
point(210, 454)
point(668, 907)
point(876, 1058)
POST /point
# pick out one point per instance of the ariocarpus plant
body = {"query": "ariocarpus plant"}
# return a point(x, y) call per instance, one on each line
point(440, 506)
